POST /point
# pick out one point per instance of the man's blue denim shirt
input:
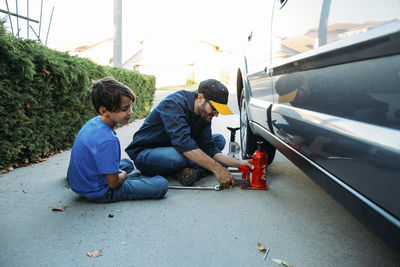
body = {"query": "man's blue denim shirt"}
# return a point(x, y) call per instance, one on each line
point(173, 124)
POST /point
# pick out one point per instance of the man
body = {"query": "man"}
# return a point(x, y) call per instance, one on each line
point(176, 137)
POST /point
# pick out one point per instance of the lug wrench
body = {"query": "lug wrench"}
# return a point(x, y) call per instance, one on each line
point(216, 188)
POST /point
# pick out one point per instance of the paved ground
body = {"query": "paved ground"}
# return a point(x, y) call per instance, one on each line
point(298, 221)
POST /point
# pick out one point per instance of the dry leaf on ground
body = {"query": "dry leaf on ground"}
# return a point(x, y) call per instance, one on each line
point(62, 208)
point(261, 247)
point(93, 254)
point(281, 262)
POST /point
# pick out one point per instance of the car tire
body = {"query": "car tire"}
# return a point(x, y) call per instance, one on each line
point(248, 140)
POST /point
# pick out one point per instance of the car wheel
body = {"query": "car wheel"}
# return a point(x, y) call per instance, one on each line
point(248, 140)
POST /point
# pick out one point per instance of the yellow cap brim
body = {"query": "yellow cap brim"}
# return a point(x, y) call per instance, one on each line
point(286, 98)
point(221, 108)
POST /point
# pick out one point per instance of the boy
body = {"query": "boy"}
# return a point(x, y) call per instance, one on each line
point(96, 171)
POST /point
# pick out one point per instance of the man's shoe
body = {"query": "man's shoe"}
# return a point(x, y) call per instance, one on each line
point(187, 176)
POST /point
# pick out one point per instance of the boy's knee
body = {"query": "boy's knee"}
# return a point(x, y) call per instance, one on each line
point(126, 165)
point(162, 185)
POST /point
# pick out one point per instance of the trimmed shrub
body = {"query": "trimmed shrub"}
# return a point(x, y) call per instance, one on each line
point(45, 98)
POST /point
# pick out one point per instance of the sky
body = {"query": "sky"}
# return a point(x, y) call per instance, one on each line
point(224, 22)
point(81, 22)
point(78, 23)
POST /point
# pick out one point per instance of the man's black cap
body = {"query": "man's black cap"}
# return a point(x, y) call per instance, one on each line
point(217, 93)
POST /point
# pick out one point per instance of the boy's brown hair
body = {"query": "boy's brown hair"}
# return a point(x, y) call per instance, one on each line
point(107, 92)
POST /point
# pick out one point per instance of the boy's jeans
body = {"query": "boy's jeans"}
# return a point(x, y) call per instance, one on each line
point(167, 161)
point(135, 188)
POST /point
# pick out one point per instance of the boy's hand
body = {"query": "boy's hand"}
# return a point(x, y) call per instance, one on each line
point(116, 179)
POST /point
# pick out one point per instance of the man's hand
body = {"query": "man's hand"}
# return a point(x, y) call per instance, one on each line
point(224, 177)
point(247, 163)
point(232, 162)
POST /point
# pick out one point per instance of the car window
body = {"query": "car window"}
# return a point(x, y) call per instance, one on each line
point(292, 23)
point(300, 26)
point(349, 18)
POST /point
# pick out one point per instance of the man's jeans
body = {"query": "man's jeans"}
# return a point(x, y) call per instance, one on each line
point(167, 161)
point(135, 188)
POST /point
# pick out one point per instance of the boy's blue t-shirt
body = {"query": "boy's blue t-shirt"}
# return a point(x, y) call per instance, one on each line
point(95, 153)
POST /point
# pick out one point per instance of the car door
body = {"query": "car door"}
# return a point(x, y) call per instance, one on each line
point(336, 82)
point(258, 56)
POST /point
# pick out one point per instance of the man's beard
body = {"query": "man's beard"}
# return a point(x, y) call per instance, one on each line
point(203, 112)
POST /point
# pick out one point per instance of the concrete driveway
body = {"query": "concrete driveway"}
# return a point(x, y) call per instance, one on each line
point(298, 221)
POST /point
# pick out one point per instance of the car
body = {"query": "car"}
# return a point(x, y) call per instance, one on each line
point(319, 81)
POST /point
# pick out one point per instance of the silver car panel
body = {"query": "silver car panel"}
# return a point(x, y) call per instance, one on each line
point(326, 89)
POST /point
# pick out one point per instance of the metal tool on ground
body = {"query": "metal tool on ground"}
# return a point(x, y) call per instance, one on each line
point(257, 178)
point(241, 182)
point(215, 188)
point(234, 147)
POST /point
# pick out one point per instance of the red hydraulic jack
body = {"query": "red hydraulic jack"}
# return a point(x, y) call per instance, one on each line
point(258, 180)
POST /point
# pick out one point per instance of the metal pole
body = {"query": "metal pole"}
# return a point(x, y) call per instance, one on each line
point(27, 21)
point(9, 17)
point(117, 43)
point(16, 6)
point(18, 16)
point(323, 23)
point(40, 20)
point(37, 36)
point(48, 30)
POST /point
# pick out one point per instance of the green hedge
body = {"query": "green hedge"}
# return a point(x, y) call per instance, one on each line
point(45, 98)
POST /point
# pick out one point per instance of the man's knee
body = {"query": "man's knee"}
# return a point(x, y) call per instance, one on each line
point(219, 141)
point(160, 161)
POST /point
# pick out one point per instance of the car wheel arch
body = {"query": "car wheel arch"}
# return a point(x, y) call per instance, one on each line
point(248, 140)
point(239, 85)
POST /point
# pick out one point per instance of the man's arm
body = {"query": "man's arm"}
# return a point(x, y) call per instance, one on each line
point(116, 179)
point(223, 175)
point(231, 162)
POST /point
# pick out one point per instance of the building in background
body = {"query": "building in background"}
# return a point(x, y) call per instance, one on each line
point(173, 61)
